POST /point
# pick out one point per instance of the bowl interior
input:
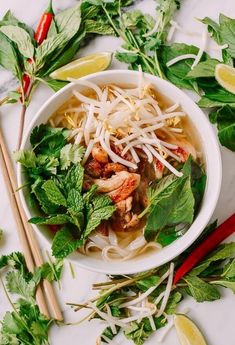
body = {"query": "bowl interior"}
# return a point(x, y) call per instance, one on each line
point(211, 155)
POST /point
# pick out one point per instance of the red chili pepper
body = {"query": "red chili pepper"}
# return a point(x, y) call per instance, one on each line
point(44, 25)
point(26, 83)
point(211, 242)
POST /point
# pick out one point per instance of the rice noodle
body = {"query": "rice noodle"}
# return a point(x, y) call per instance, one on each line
point(201, 49)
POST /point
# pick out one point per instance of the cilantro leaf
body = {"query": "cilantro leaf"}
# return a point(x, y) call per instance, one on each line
point(71, 154)
point(16, 283)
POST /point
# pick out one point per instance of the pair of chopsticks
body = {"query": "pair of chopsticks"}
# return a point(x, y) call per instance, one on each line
point(30, 247)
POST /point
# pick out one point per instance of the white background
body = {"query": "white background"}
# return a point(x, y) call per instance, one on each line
point(216, 319)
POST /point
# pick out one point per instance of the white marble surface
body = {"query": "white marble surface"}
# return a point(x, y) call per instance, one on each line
point(216, 319)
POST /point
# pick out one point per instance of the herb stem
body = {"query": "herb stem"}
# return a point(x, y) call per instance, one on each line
point(21, 129)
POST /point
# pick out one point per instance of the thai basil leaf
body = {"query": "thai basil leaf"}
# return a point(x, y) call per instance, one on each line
point(21, 38)
point(10, 19)
point(68, 18)
point(56, 85)
point(204, 69)
point(8, 56)
point(213, 29)
point(226, 283)
point(227, 33)
point(225, 118)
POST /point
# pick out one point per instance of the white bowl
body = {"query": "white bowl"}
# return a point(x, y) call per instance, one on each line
point(212, 160)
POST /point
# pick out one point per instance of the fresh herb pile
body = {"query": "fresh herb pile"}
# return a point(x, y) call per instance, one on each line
point(56, 177)
point(143, 46)
point(201, 283)
point(25, 324)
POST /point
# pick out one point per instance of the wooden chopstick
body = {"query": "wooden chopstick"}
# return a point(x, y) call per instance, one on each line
point(23, 239)
point(36, 252)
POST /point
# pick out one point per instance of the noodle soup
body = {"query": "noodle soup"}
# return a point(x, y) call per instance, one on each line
point(133, 138)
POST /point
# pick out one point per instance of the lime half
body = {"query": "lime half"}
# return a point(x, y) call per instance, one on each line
point(83, 66)
point(188, 333)
point(225, 75)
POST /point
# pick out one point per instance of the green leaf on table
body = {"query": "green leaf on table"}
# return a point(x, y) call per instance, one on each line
point(7, 338)
point(177, 73)
point(16, 283)
point(222, 252)
point(8, 56)
point(206, 102)
point(71, 154)
point(56, 85)
point(225, 118)
point(227, 33)
point(21, 38)
point(204, 69)
point(11, 324)
point(229, 271)
point(10, 19)
point(51, 271)
point(173, 301)
point(98, 27)
point(200, 290)
point(145, 283)
point(64, 243)
point(171, 202)
point(68, 18)
point(53, 193)
point(225, 283)
point(126, 57)
point(213, 29)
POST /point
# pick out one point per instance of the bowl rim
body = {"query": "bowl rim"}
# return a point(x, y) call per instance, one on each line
point(179, 245)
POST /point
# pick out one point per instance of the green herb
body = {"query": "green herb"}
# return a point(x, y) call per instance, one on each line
point(217, 269)
point(170, 202)
point(25, 324)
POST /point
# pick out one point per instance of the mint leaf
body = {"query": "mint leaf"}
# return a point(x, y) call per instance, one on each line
point(146, 283)
point(64, 243)
point(229, 271)
point(225, 283)
point(74, 178)
point(101, 209)
point(200, 290)
point(75, 202)
point(53, 193)
point(46, 205)
point(51, 220)
point(71, 154)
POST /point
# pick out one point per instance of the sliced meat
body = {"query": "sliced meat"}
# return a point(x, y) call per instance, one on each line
point(141, 192)
point(124, 206)
point(112, 168)
point(126, 188)
point(184, 150)
point(112, 183)
point(127, 223)
point(94, 168)
point(99, 154)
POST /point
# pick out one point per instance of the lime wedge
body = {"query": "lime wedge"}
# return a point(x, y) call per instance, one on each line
point(187, 331)
point(83, 66)
point(225, 75)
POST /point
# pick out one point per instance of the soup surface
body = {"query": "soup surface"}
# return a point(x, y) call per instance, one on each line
point(133, 138)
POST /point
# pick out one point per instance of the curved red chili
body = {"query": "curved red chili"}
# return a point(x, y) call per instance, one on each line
point(211, 242)
point(44, 25)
